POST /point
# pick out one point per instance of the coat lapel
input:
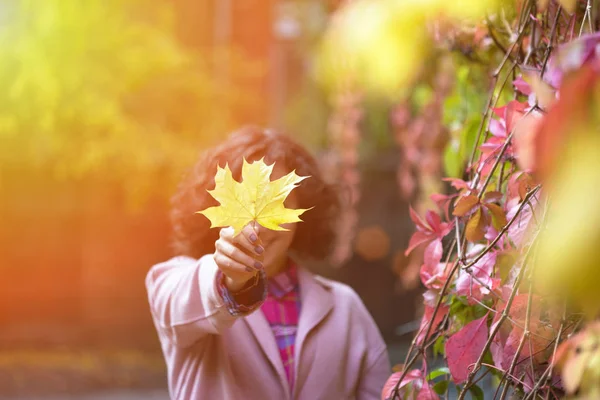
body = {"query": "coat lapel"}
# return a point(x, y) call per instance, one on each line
point(317, 302)
point(264, 337)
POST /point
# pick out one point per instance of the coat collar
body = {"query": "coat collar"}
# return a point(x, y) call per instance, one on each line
point(317, 302)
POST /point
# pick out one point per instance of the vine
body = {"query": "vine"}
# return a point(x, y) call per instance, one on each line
point(481, 243)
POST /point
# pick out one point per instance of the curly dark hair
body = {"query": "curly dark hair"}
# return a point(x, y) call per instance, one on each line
point(314, 238)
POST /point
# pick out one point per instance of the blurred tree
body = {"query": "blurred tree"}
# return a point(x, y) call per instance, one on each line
point(104, 87)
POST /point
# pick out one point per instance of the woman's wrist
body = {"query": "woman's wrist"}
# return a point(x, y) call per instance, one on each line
point(234, 285)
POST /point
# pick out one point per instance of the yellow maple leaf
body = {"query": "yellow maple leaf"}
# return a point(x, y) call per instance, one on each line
point(256, 198)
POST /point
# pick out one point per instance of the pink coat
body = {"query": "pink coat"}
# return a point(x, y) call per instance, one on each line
point(340, 353)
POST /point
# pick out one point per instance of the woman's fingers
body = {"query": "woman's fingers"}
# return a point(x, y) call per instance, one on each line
point(237, 256)
point(250, 240)
point(233, 268)
point(247, 239)
point(233, 252)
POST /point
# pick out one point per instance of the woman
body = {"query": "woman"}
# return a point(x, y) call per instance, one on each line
point(238, 317)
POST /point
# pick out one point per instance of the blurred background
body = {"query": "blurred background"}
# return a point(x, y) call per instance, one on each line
point(104, 105)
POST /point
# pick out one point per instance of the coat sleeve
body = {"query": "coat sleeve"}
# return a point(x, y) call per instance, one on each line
point(374, 376)
point(376, 369)
point(185, 302)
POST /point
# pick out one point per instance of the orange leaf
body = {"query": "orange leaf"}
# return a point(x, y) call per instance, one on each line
point(492, 196)
point(498, 215)
point(526, 183)
point(524, 140)
point(476, 226)
point(567, 114)
point(464, 205)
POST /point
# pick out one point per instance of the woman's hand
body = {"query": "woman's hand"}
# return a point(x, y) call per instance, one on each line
point(239, 258)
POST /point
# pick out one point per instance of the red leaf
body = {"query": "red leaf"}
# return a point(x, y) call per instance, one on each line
point(390, 384)
point(522, 86)
point(510, 349)
point(497, 345)
point(519, 229)
point(433, 252)
point(477, 289)
point(498, 215)
point(417, 239)
point(427, 393)
point(476, 227)
point(464, 347)
point(464, 205)
point(418, 220)
point(510, 113)
point(444, 229)
point(497, 128)
point(457, 183)
point(518, 308)
point(500, 111)
point(513, 113)
point(434, 275)
point(426, 320)
point(443, 202)
point(433, 219)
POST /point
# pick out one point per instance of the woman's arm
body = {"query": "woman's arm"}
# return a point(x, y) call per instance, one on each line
point(376, 367)
point(374, 375)
point(185, 302)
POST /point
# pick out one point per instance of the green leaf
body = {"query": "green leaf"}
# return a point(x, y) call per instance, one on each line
point(462, 75)
point(498, 216)
point(496, 377)
point(451, 110)
point(476, 392)
point(438, 346)
point(438, 372)
point(468, 137)
point(479, 311)
point(504, 264)
point(487, 358)
point(441, 387)
point(453, 160)
point(459, 148)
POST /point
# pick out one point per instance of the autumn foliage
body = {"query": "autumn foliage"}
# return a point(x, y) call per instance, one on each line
point(508, 254)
